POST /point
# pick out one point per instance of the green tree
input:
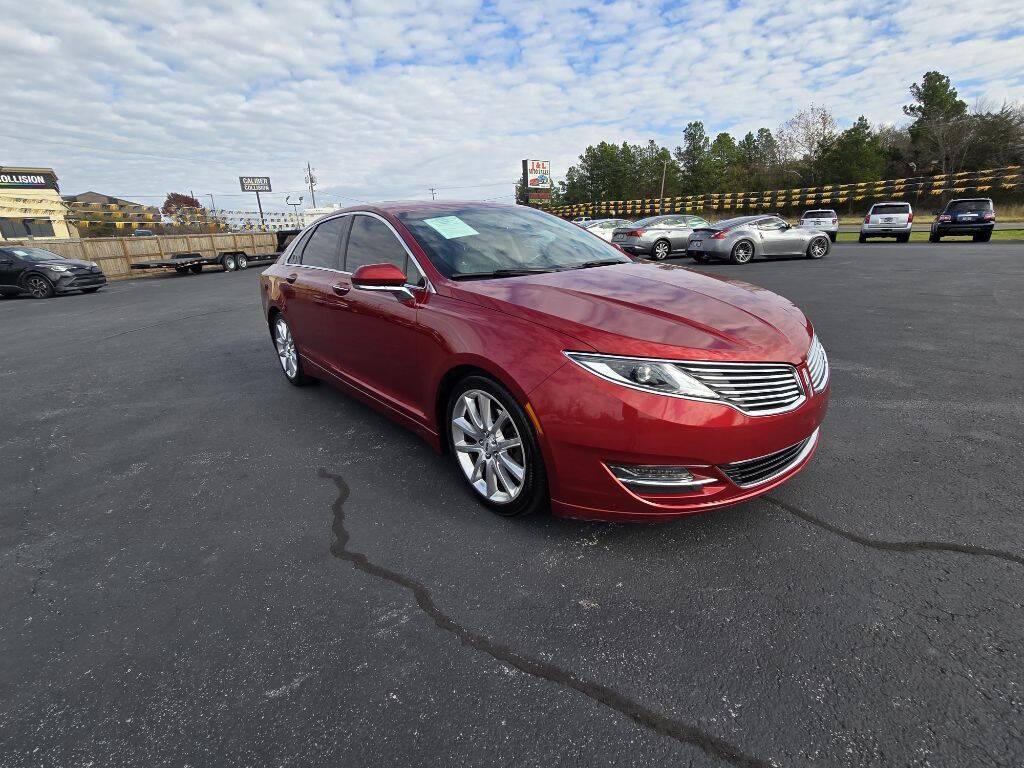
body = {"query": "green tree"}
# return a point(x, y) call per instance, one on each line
point(693, 159)
point(942, 131)
point(854, 155)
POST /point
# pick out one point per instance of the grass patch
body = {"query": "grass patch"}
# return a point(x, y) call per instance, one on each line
point(922, 237)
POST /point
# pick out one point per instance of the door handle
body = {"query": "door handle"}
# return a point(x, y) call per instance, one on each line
point(341, 289)
point(292, 277)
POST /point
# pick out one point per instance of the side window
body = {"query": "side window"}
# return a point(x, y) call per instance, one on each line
point(771, 225)
point(295, 257)
point(371, 241)
point(323, 248)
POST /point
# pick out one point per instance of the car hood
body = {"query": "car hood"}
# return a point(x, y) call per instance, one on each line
point(653, 310)
point(67, 263)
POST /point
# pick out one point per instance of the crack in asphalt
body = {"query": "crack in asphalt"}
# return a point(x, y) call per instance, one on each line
point(896, 546)
point(602, 694)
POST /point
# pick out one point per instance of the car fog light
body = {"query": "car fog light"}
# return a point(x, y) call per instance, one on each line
point(654, 475)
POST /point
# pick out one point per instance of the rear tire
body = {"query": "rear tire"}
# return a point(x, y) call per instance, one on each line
point(818, 248)
point(496, 470)
point(228, 262)
point(661, 250)
point(934, 238)
point(242, 261)
point(902, 238)
point(181, 270)
point(832, 236)
point(862, 239)
point(742, 252)
point(983, 238)
point(38, 287)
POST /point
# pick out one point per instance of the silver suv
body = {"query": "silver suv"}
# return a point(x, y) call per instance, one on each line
point(889, 219)
point(823, 220)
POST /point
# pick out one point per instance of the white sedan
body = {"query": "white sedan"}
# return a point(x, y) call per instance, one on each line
point(603, 228)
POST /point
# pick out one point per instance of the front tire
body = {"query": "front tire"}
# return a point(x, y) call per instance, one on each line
point(493, 444)
point(38, 287)
point(742, 252)
point(228, 262)
point(287, 352)
point(818, 248)
point(661, 250)
point(242, 260)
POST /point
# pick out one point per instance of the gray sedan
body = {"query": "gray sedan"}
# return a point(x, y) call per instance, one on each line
point(657, 236)
point(741, 239)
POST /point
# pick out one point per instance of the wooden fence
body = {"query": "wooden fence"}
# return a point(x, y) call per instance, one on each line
point(115, 254)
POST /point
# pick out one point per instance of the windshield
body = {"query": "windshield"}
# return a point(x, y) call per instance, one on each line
point(969, 206)
point(34, 254)
point(496, 241)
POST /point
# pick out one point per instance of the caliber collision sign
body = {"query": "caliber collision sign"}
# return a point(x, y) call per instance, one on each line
point(255, 183)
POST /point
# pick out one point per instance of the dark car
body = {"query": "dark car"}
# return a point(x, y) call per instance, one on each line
point(967, 216)
point(41, 273)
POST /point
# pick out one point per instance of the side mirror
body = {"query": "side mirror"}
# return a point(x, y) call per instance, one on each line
point(382, 277)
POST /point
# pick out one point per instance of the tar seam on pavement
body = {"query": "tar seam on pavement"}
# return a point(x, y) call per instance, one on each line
point(896, 546)
point(634, 710)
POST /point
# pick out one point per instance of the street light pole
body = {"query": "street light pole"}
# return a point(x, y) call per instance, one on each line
point(311, 180)
point(295, 206)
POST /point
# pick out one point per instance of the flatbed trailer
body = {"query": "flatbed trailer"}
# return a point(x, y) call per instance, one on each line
point(228, 261)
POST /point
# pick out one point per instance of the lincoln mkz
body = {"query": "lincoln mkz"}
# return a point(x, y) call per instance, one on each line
point(552, 368)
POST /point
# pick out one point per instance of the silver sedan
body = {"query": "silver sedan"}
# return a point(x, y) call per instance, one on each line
point(741, 239)
point(657, 236)
point(605, 228)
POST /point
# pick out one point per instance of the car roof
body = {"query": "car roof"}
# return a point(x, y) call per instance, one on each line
point(890, 202)
point(428, 206)
point(970, 200)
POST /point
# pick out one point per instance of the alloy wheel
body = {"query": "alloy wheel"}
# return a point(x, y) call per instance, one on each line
point(819, 248)
point(37, 287)
point(743, 252)
point(661, 250)
point(488, 446)
point(285, 345)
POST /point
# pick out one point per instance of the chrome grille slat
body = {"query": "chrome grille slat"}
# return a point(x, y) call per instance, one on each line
point(752, 472)
point(759, 389)
point(817, 365)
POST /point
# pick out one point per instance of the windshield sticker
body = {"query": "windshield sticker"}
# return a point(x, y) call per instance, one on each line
point(451, 227)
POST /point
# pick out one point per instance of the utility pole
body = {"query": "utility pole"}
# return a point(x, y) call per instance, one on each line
point(433, 193)
point(661, 201)
point(213, 203)
point(311, 181)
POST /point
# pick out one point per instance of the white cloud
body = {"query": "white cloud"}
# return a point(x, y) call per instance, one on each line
point(390, 98)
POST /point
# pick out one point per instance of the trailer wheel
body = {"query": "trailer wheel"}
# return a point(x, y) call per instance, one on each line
point(243, 261)
point(181, 270)
point(228, 262)
point(196, 269)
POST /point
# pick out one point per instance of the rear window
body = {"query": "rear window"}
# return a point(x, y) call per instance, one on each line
point(820, 215)
point(969, 206)
point(881, 210)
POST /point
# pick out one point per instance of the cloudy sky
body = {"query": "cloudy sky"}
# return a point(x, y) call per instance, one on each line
point(387, 98)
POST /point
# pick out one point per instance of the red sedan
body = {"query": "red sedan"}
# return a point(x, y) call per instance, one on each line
point(549, 365)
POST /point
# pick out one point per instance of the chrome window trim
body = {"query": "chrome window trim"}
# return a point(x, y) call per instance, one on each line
point(717, 401)
point(427, 286)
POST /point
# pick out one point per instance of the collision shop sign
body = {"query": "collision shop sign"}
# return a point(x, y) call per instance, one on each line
point(538, 174)
point(255, 183)
point(13, 180)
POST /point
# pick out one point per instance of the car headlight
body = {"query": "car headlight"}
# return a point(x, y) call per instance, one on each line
point(642, 373)
point(58, 268)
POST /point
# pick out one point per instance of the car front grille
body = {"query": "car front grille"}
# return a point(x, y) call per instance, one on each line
point(759, 389)
point(817, 365)
point(764, 468)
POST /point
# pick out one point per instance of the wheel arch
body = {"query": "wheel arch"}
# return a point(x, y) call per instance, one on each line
point(456, 373)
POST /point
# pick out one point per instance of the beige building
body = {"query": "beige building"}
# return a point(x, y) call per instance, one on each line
point(31, 205)
point(102, 214)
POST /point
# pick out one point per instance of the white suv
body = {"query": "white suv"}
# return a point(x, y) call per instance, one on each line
point(888, 220)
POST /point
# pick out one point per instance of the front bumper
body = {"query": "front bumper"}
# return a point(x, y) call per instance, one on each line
point(78, 281)
point(587, 424)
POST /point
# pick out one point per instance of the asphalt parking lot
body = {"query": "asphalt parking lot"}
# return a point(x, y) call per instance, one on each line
point(202, 565)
